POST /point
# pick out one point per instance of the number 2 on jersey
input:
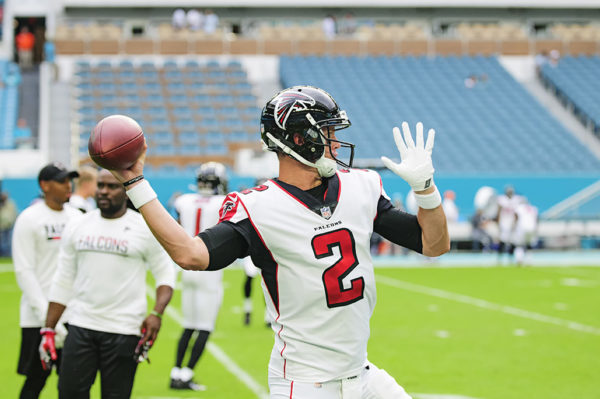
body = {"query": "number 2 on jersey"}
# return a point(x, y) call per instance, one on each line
point(334, 275)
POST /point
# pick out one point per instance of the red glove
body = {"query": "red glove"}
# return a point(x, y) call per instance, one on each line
point(47, 348)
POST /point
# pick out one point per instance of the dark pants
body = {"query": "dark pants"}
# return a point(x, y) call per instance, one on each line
point(88, 351)
point(30, 364)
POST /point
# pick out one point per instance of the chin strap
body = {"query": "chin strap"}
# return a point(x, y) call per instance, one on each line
point(325, 167)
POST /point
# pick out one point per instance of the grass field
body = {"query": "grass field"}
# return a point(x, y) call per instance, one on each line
point(485, 333)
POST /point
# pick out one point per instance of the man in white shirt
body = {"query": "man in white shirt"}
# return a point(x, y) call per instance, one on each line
point(308, 231)
point(195, 19)
point(178, 20)
point(201, 293)
point(211, 22)
point(328, 26)
point(36, 239)
point(102, 277)
point(85, 189)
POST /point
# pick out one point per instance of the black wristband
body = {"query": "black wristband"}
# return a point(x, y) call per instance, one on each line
point(130, 182)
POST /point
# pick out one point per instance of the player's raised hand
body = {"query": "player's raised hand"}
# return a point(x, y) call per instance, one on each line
point(416, 166)
point(47, 348)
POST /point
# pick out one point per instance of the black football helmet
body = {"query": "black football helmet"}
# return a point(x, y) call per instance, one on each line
point(212, 178)
point(305, 110)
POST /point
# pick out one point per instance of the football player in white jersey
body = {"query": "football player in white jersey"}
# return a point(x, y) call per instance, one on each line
point(36, 238)
point(308, 231)
point(202, 293)
point(507, 204)
point(525, 231)
point(101, 275)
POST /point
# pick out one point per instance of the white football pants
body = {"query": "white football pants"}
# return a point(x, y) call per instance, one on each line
point(373, 383)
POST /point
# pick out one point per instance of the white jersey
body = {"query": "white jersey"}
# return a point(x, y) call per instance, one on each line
point(102, 272)
point(506, 218)
point(318, 277)
point(202, 292)
point(36, 239)
point(527, 216)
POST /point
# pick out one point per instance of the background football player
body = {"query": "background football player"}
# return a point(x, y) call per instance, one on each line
point(202, 293)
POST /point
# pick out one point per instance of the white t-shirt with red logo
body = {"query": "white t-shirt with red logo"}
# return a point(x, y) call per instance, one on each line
point(102, 268)
point(36, 239)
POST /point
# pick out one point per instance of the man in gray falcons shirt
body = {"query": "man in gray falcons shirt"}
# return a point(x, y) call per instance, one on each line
point(36, 238)
point(101, 275)
point(308, 231)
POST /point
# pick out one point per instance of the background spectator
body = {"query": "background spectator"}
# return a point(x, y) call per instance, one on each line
point(25, 41)
point(8, 215)
point(329, 26)
point(211, 22)
point(178, 21)
point(195, 19)
point(347, 26)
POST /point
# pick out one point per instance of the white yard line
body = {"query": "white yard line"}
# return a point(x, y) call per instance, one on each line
point(7, 268)
point(220, 355)
point(481, 303)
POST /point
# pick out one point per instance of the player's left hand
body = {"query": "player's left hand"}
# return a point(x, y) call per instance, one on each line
point(416, 166)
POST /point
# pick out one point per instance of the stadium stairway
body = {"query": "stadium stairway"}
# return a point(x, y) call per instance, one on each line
point(575, 81)
point(564, 115)
point(29, 99)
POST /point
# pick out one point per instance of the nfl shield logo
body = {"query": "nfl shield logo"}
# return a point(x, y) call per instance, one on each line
point(326, 212)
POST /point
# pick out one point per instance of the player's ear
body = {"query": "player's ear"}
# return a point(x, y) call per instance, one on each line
point(298, 139)
point(44, 186)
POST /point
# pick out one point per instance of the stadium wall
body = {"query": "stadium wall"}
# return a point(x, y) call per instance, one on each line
point(540, 190)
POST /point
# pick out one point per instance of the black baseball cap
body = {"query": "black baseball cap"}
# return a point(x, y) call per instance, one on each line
point(56, 171)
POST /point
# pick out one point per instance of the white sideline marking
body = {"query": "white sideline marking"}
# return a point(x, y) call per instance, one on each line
point(7, 268)
point(487, 305)
point(220, 355)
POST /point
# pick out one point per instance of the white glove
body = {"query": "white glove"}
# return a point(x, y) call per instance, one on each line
point(61, 335)
point(415, 166)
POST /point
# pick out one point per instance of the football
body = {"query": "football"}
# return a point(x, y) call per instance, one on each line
point(116, 142)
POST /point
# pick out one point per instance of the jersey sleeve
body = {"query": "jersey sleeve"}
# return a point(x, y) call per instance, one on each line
point(61, 290)
point(232, 209)
point(230, 238)
point(23, 251)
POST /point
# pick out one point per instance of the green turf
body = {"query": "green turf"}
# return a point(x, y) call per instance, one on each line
point(431, 344)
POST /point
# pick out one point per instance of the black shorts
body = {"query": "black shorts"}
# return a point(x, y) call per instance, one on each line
point(88, 351)
point(29, 358)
